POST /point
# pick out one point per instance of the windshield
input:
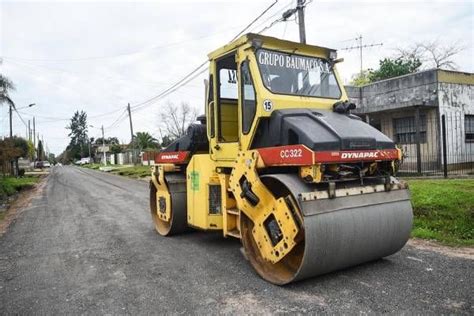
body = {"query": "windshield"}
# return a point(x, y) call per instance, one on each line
point(297, 75)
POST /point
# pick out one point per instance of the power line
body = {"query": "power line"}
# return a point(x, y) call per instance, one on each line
point(278, 12)
point(284, 17)
point(169, 91)
point(164, 93)
point(255, 20)
point(197, 71)
point(117, 55)
point(18, 113)
point(54, 119)
point(120, 117)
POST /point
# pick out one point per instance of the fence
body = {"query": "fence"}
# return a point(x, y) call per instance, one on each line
point(148, 158)
point(436, 145)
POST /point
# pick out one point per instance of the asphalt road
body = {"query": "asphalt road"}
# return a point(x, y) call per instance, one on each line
point(86, 245)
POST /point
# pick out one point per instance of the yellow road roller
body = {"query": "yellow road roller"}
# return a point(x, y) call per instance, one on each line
point(279, 162)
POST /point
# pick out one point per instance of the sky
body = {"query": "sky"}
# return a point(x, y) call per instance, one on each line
point(98, 56)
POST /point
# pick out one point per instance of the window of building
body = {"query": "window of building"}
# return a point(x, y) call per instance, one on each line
point(469, 128)
point(405, 130)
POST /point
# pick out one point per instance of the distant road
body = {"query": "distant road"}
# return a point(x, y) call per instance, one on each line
point(86, 245)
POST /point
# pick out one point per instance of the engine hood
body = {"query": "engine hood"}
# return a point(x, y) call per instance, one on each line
point(319, 130)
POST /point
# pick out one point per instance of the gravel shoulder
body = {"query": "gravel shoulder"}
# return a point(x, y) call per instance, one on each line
point(86, 244)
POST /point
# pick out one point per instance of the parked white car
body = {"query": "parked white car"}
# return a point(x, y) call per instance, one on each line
point(84, 161)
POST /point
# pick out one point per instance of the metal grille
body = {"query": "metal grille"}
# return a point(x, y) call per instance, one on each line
point(469, 128)
point(215, 199)
point(445, 147)
point(405, 130)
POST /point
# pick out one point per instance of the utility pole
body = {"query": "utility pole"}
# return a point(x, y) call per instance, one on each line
point(131, 132)
point(12, 164)
point(34, 135)
point(300, 7)
point(11, 126)
point(301, 4)
point(38, 152)
point(103, 146)
point(360, 53)
point(29, 131)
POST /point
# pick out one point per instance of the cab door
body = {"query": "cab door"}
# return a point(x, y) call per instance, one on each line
point(224, 133)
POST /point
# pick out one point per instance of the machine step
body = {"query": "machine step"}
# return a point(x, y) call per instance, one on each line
point(234, 233)
point(233, 211)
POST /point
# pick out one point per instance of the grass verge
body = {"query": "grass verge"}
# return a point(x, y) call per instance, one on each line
point(127, 171)
point(444, 210)
point(93, 166)
point(11, 185)
point(133, 172)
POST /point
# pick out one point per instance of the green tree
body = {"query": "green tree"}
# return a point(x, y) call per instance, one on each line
point(52, 158)
point(10, 150)
point(79, 140)
point(145, 141)
point(8, 153)
point(390, 68)
point(108, 141)
point(5, 87)
point(22, 145)
point(40, 151)
point(31, 150)
point(116, 148)
point(360, 79)
point(166, 140)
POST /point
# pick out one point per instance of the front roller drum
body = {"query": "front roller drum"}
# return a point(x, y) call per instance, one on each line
point(177, 223)
point(335, 233)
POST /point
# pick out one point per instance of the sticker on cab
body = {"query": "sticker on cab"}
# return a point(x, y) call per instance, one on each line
point(268, 105)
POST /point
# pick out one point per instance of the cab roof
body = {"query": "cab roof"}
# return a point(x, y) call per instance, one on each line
point(271, 43)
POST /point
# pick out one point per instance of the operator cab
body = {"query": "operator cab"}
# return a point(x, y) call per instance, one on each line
point(255, 75)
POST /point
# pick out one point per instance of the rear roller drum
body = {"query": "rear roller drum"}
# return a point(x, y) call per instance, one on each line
point(335, 234)
point(178, 222)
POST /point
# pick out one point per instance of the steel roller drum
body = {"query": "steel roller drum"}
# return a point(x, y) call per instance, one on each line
point(177, 189)
point(345, 231)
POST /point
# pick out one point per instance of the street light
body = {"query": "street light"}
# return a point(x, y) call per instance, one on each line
point(25, 107)
point(12, 106)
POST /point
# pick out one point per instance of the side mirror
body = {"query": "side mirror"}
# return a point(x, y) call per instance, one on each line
point(343, 107)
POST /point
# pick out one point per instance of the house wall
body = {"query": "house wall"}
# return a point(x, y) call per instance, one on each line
point(456, 99)
point(124, 158)
point(430, 155)
point(395, 94)
point(436, 93)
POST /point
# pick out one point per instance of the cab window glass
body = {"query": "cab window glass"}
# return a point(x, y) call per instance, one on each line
point(210, 103)
point(228, 87)
point(248, 98)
